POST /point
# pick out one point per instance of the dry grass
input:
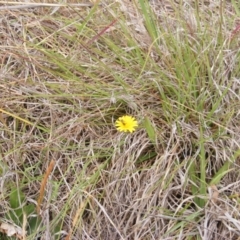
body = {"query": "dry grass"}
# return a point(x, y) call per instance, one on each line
point(67, 73)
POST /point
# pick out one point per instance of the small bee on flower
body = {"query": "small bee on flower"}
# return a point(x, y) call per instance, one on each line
point(126, 124)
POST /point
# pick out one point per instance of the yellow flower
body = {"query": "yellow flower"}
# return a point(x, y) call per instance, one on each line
point(126, 123)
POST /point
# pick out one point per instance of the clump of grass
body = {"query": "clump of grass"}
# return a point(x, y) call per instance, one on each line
point(69, 73)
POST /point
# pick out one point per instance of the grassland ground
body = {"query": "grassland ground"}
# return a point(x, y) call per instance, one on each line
point(69, 70)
